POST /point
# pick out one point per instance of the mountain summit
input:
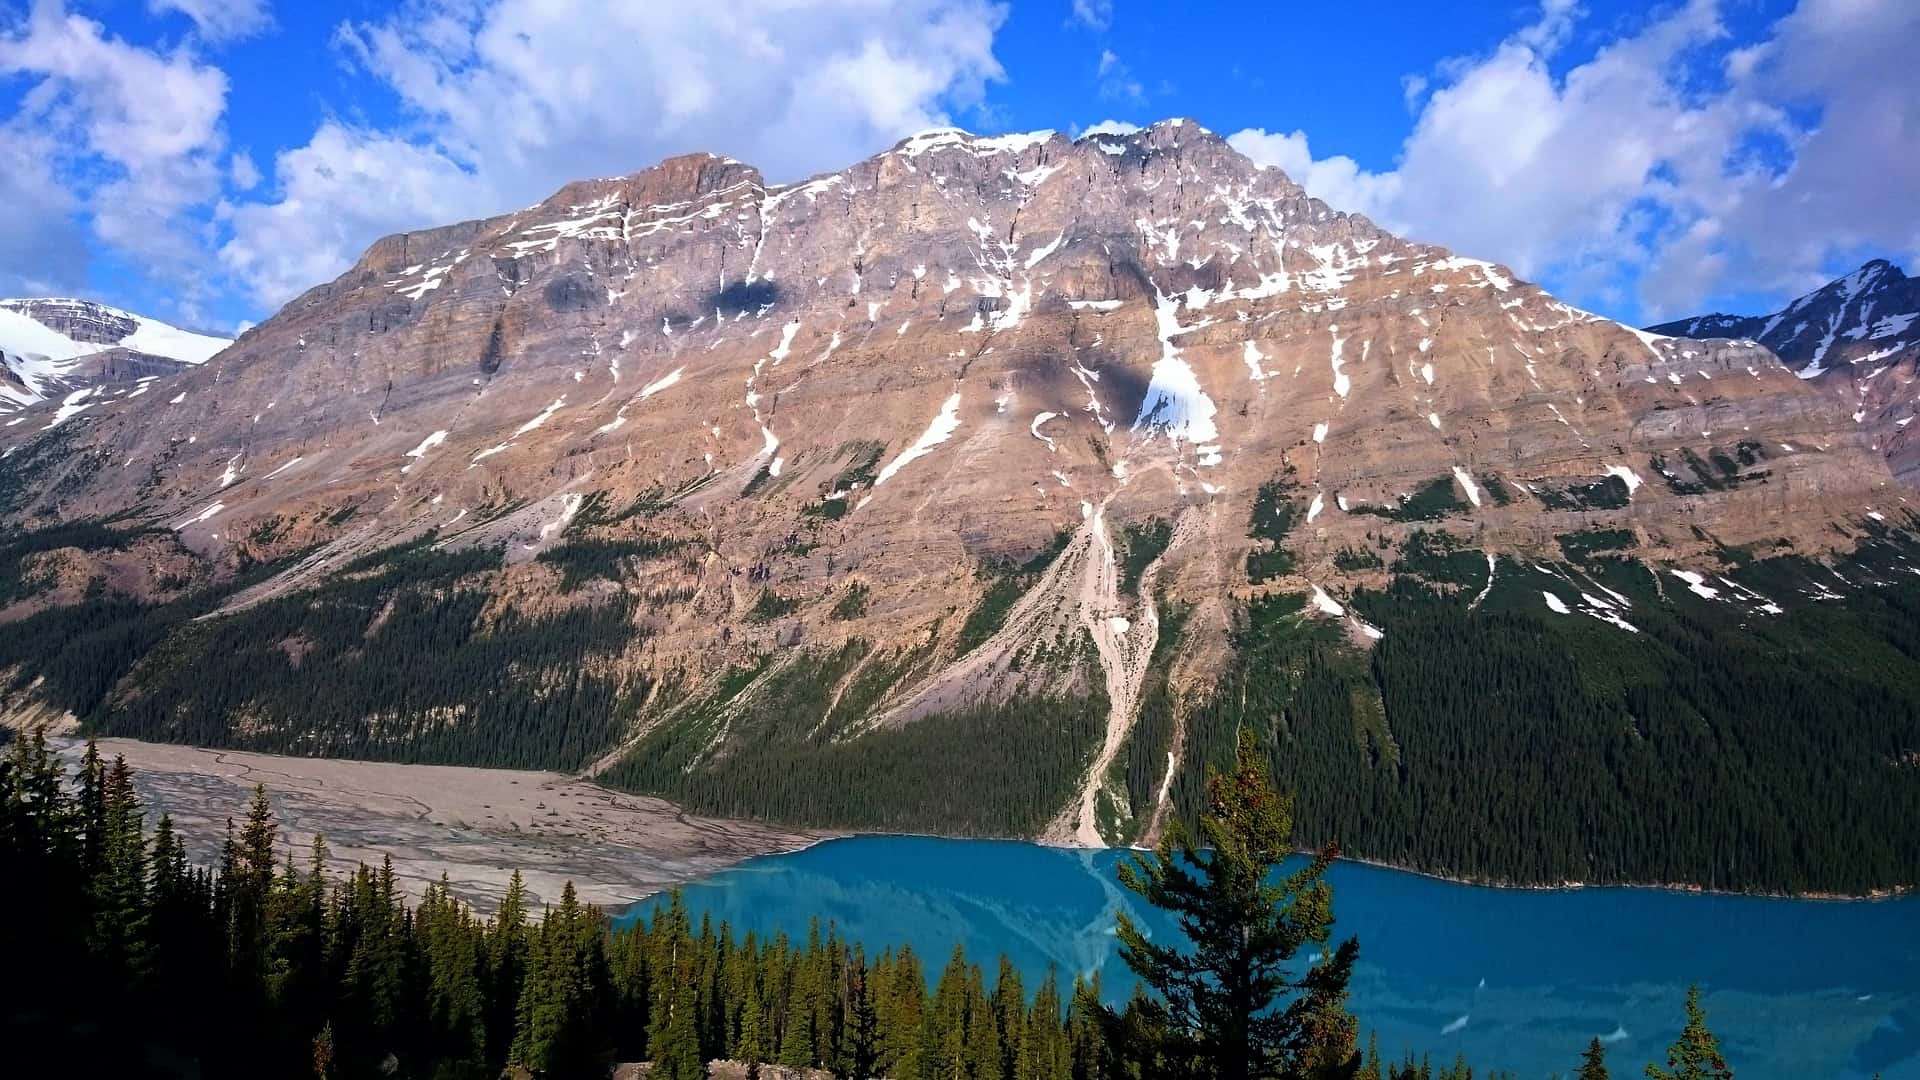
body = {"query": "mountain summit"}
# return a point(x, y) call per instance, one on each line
point(1858, 338)
point(54, 347)
point(985, 486)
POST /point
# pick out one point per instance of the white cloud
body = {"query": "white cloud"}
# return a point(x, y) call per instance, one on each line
point(1116, 79)
point(1108, 127)
point(130, 136)
point(1622, 169)
point(242, 172)
point(344, 189)
point(219, 20)
point(1093, 14)
point(506, 100)
point(42, 248)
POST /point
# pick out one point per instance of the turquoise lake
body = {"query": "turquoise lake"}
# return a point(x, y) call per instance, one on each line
point(1513, 979)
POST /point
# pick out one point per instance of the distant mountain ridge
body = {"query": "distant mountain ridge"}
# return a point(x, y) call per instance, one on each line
point(1858, 338)
point(74, 350)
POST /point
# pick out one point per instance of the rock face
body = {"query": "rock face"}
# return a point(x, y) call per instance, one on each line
point(823, 412)
point(1858, 338)
point(81, 352)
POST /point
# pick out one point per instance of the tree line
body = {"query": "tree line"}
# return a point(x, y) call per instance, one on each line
point(126, 958)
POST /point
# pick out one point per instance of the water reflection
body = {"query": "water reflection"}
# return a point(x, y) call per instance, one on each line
point(1509, 978)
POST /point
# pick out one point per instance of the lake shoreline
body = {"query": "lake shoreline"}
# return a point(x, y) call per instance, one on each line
point(674, 848)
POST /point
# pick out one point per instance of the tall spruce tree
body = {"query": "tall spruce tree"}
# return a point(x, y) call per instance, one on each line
point(1695, 1055)
point(1593, 1062)
point(1237, 1006)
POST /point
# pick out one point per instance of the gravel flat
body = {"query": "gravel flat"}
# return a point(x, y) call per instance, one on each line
point(476, 826)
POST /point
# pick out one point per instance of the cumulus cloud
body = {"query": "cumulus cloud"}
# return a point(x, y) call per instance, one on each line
point(1116, 80)
point(1108, 127)
point(42, 248)
point(1623, 173)
point(1093, 14)
point(506, 100)
point(129, 136)
point(219, 20)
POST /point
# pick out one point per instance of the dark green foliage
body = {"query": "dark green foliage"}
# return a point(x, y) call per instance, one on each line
point(1144, 757)
point(1515, 744)
point(1275, 513)
point(145, 965)
point(1584, 545)
point(1231, 1002)
point(989, 770)
point(1496, 489)
point(1431, 503)
point(17, 583)
point(1441, 558)
point(1352, 559)
point(1140, 544)
point(584, 560)
point(1695, 1055)
point(986, 618)
point(392, 660)
point(1593, 1062)
point(770, 605)
point(759, 480)
point(852, 603)
point(1006, 582)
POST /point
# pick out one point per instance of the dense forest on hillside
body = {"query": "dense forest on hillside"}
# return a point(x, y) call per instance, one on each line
point(1766, 737)
point(1716, 744)
point(138, 963)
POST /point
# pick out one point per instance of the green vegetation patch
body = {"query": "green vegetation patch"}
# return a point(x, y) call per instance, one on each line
point(1140, 544)
point(1587, 543)
point(993, 770)
point(583, 560)
point(1276, 513)
point(1435, 500)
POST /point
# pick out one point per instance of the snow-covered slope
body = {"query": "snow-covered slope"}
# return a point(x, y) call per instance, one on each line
point(56, 347)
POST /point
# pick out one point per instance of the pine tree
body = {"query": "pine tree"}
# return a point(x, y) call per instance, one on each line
point(676, 1045)
point(1224, 998)
point(121, 912)
point(1593, 1063)
point(863, 1028)
point(506, 966)
point(983, 1059)
point(751, 1045)
point(1695, 1055)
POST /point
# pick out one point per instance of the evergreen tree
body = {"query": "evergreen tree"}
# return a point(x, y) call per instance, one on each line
point(676, 1043)
point(982, 1031)
point(1695, 1055)
point(1224, 998)
point(863, 1028)
point(751, 1045)
point(1593, 1063)
point(121, 914)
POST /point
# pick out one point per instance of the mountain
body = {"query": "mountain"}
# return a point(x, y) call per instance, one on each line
point(989, 486)
point(82, 353)
point(1858, 338)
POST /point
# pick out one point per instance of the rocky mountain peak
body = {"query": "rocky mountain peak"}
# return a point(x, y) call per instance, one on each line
point(68, 349)
point(1858, 339)
point(972, 428)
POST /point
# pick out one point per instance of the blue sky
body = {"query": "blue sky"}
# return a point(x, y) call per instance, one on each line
point(206, 160)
